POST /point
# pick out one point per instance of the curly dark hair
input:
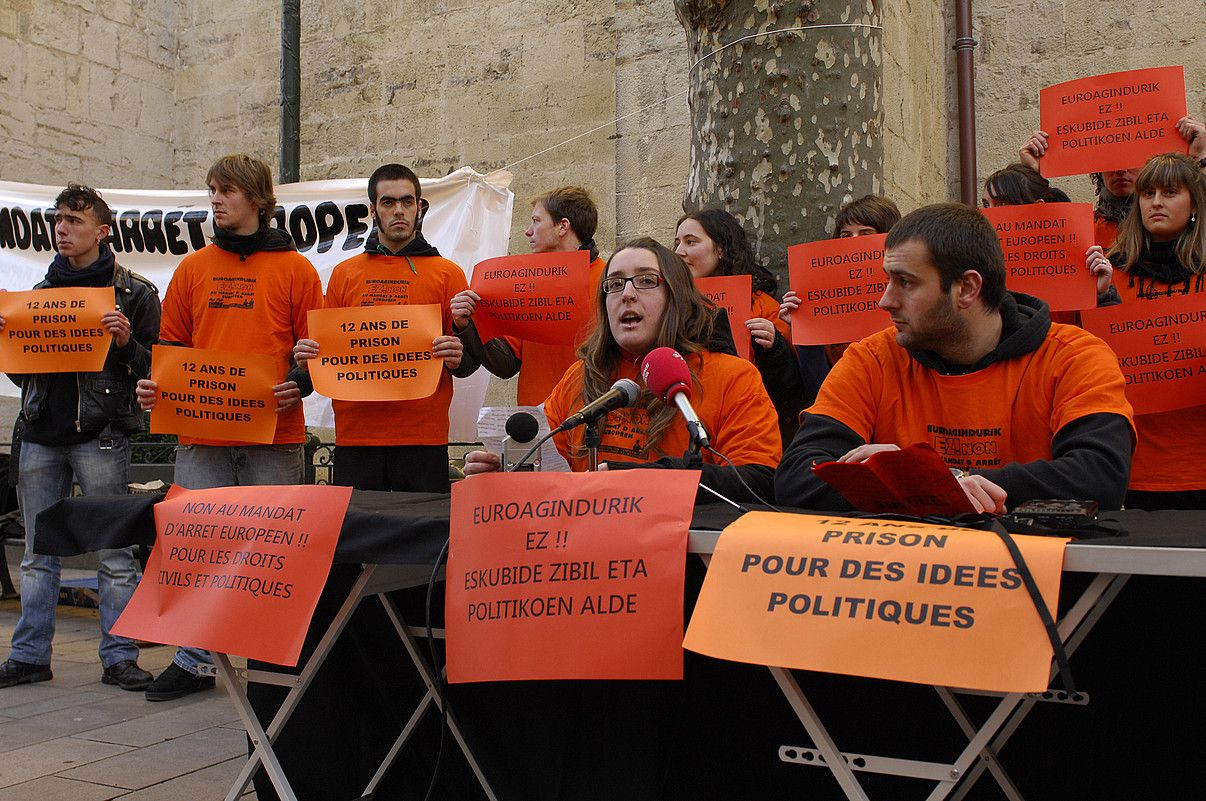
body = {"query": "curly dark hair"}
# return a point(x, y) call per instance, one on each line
point(78, 197)
point(736, 255)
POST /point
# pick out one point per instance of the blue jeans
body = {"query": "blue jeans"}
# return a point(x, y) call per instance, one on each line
point(208, 466)
point(45, 477)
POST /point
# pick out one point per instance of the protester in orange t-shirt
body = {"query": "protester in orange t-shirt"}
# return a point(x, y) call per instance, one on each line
point(396, 445)
point(664, 310)
point(249, 291)
point(563, 220)
point(1161, 252)
point(1022, 408)
point(869, 215)
point(712, 242)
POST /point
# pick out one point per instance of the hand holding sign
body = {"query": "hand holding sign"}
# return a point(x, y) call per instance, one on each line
point(379, 353)
point(839, 283)
point(540, 297)
point(56, 330)
point(1112, 122)
point(212, 395)
point(1044, 246)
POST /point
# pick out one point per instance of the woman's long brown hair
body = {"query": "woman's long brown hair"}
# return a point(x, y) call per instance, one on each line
point(685, 326)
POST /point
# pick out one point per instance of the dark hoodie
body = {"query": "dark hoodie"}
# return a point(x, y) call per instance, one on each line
point(1091, 456)
point(1158, 272)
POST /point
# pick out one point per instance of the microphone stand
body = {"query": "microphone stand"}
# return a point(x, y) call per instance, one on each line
point(592, 439)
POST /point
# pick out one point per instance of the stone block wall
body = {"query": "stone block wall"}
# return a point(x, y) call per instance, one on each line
point(86, 91)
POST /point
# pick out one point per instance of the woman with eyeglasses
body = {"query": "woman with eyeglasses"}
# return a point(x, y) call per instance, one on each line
point(649, 300)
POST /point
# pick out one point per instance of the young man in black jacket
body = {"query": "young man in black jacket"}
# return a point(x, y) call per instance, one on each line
point(75, 428)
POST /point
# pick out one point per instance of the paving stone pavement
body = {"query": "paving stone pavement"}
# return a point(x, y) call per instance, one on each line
point(75, 739)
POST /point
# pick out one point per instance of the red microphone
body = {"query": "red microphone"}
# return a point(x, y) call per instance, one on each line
point(665, 373)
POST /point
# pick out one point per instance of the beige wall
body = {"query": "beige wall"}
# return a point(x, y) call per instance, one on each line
point(86, 91)
point(920, 156)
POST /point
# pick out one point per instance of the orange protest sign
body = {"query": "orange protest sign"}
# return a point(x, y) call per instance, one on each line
point(840, 282)
point(1044, 246)
point(878, 598)
point(1161, 347)
point(1112, 122)
point(237, 570)
point(732, 293)
point(55, 330)
point(376, 353)
point(568, 575)
point(213, 394)
point(540, 297)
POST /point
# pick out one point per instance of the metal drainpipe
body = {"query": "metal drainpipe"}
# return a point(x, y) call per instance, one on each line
point(966, 81)
point(290, 91)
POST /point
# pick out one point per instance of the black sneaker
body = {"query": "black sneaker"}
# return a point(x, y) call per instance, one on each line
point(13, 673)
point(176, 682)
point(127, 675)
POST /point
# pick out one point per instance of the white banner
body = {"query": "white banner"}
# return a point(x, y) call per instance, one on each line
point(469, 221)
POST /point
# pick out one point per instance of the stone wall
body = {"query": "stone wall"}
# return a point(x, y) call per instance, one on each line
point(1024, 47)
point(86, 91)
point(920, 141)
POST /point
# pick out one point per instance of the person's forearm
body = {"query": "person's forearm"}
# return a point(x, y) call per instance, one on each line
point(820, 439)
point(1092, 462)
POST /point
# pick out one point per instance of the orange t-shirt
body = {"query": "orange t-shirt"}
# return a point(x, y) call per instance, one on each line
point(728, 396)
point(541, 365)
point(1168, 457)
point(217, 302)
point(766, 307)
point(379, 280)
point(1008, 412)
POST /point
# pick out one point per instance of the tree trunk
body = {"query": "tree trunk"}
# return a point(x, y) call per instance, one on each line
point(786, 127)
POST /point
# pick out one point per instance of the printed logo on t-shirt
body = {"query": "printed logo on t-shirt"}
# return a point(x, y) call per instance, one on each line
point(624, 433)
point(385, 291)
point(967, 447)
point(232, 292)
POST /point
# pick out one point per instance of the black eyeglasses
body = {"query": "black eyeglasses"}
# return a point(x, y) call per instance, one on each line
point(616, 284)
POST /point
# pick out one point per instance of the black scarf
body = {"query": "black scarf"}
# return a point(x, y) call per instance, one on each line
point(1158, 264)
point(265, 238)
point(98, 273)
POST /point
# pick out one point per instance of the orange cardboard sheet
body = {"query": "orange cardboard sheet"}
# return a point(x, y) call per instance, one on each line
point(878, 598)
point(840, 282)
point(540, 297)
point(732, 293)
point(237, 570)
point(1161, 347)
point(213, 394)
point(1112, 122)
point(55, 330)
point(1044, 246)
point(913, 480)
point(376, 353)
point(568, 575)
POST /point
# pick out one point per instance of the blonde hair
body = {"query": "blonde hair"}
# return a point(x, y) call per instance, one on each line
point(251, 175)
